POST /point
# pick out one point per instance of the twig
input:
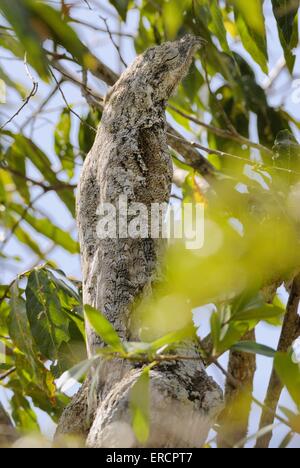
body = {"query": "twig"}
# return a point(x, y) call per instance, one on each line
point(88, 5)
point(230, 126)
point(222, 133)
point(8, 373)
point(96, 28)
point(69, 107)
point(46, 188)
point(67, 74)
point(113, 41)
point(41, 107)
point(32, 93)
point(230, 155)
point(16, 225)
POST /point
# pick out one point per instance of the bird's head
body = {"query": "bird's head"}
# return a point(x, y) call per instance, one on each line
point(154, 76)
point(166, 65)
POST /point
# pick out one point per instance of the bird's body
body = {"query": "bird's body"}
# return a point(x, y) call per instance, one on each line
point(130, 158)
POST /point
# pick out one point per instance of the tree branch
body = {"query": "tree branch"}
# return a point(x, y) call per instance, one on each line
point(32, 93)
point(289, 333)
point(227, 134)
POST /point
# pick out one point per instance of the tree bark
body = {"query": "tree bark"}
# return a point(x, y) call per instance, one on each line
point(130, 160)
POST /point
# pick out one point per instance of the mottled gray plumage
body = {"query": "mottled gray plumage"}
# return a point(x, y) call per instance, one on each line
point(130, 157)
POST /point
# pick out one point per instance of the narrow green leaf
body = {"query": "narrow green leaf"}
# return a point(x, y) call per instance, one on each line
point(171, 338)
point(48, 322)
point(285, 12)
point(86, 135)
point(48, 229)
point(22, 235)
point(43, 164)
point(265, 312)
point(22, 413)
point(254, 348)
point(217, 25)
point(104, 328)
point(16, 160)
point(63, 146)
point(252, 35)
point(19, 329)
point(140, 406)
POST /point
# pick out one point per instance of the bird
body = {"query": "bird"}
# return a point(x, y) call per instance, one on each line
point(130, 160)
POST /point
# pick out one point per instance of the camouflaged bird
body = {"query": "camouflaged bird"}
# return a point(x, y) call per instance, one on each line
point(130, 158)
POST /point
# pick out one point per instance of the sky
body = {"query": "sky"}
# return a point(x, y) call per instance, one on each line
point(49, 204)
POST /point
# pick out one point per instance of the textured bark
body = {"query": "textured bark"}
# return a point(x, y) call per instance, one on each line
point(130, 158)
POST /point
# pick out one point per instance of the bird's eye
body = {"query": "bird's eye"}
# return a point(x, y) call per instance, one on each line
point(171, 55)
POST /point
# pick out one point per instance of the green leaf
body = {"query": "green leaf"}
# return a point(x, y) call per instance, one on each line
point(251, 306)
point(265, 312)
point(250, 23)
point(19, 329)
point(285, 12)
point(172, 338)
point(41, 161)
point(104, 328)
point(289, 374)
point(86, 135)
point(34, 22)
point(231, 334)
point(140, 406)
point(16, 160)
point(22, 413)
point(48, 229)
point(19, 16)
point(215, 326)
point(217, 25)
point(48, 322)
point(63, 146)
point(22, 235)
point(254, 348)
